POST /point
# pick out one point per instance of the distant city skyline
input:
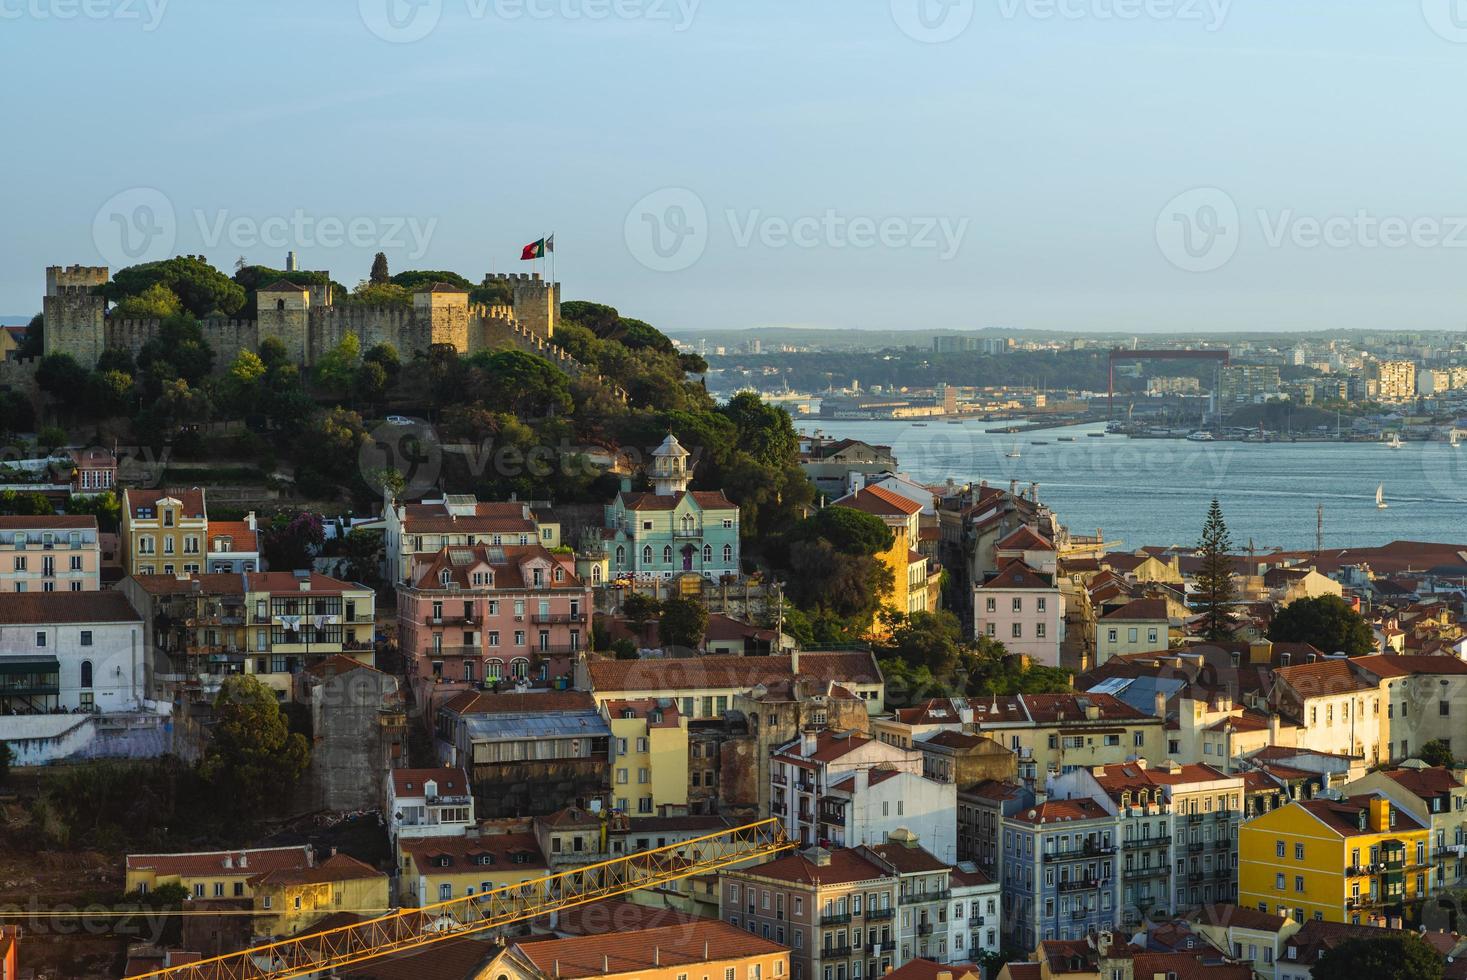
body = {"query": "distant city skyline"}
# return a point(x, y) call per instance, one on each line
point(1069, 165)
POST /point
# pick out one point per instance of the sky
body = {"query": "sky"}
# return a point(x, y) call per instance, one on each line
point(1135, 165)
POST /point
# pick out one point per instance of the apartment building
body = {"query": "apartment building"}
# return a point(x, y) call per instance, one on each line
point(164, 532)
point(1359, 860)
point(437, 869)
point(1022, 608)
point(71, 651)
point(482, 613)
point(804, 772)
point(973, 920)
point(234, 546)
point(924, 897)
point(1435, 797)
point(414, 533)
point(288, 901)
point(428, 803)
point(673, 952)
point(836, 911)
point(1059, 872)
point(50, 554)
point(1139, 626)
point(649, 755)
point(213, 874)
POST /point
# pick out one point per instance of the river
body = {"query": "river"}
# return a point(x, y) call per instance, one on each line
point(1156, 491)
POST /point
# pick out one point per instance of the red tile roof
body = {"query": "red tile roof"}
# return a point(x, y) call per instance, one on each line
point(702, 941)
point(879, 501)
point(1057, 811)
point(282, 582)
point(44, 608)
point(242, 536)
point(1138, 610)
point(1239, 917)
point(488, 518)
point(1426, 783)
point(705, 499)
point(645, 709)
point(511, 565)
point(196, 863)
point(338, 867)
point(209, 583)
point(1025, 538)
point(50, 522)
point(920, 969)
point(518, 852)
point(1018, 575)
point(452, 959)
point(614, 915)
point(829, 746)
point(846, 865)
point(191, 500)
point(410, 782)
point(1323, 677)
point(1391, 665)
point(1342, 816)
point(908, 860)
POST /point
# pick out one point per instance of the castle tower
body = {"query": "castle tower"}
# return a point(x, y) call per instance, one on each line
point(536, 302)
point(670, 472)
point(445, 309)
point(76, 317)
point(285, 312)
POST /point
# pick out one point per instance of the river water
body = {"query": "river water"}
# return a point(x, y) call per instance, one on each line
point(1156, 491)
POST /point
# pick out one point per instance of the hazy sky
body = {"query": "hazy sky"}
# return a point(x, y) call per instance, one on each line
point(729, 163)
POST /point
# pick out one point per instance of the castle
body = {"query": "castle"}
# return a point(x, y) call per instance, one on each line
point(305, 320)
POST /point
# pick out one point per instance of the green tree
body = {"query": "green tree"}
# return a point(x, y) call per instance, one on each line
point(1327, 622)
point(384, 294)
point(386, 355)
point(849, 531)
point(336, 368)
point(364, 556)
point(252, 756)
point(35, 338)
point(683, 624)
point(1215, 590)
point(379, 269)
point(1437, 752)
point(157, 301)
point(203, 290)
point(290, 541)
point(180, 345)
point(1399, 956)
point(5, 760)
point(925, 639)
point(60, 376)
point(519, 382)
point(640, 610)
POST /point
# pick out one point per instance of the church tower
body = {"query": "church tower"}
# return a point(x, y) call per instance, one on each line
point(670, 472)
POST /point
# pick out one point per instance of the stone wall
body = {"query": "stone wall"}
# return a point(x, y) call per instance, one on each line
point(524, 789)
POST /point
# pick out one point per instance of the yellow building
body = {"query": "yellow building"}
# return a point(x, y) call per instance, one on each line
point(164, 532)
point(1356, 860)
point(299, 620)
point(902, 515)
point(292, 900)
point(649, 754)
point(436, 869)
point(698, 950)
point(212, 874)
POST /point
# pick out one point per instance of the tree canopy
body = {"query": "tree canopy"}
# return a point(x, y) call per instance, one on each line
point(1215, 589)
point(1397, 956)
point(202, 290)
point(252, 751)
point(1328, 622)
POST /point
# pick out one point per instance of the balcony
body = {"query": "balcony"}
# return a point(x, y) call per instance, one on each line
point(838, 951)
point(558, 618)
point(1131, 874)
point(1080, 853)
point(1196, 818)
point(886, 946)
point(917, 898)
point(975, 920)
point(1081, 884)
point(779, 779)
point(878, 915)
point(687, 533)
point(778, 808)
point(924, 928)
point(1194, 847)
point(835, 919)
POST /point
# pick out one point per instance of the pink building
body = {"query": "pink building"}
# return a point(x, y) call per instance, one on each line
point(93, 471)
point(50, 554)
point(483, 614)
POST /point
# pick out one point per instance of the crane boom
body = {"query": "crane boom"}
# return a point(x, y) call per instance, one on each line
point(407, 929)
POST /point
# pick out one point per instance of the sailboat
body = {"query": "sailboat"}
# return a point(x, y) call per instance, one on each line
point(1013, 453)
point(1380, 498)
point(1453, 439)
point(1395, 441)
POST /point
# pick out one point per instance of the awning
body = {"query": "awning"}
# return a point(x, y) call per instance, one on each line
point(30, 665)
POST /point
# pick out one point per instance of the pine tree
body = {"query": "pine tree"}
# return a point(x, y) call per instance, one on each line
point(380, 274)
point(1215, 579)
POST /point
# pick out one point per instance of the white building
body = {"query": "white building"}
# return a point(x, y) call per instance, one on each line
point(70, 651)
point(803, 772)
point(973, 921)
point(868, 805)
point(428, 803)
point(1022, 608)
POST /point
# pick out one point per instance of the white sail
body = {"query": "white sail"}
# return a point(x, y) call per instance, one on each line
point(1380, 497)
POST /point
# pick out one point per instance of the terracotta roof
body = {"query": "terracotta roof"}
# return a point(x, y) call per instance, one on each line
point(337, 663)
point(1057, 811)
point(829, 746)
point(705, 499)
point(846, 865)
point(208, 583)
point(1239, 917)
point(281, 286)
point(511, 566)
point(1323, 677)
point(920, 969)
point(728, 671)
point(242, 536)
point(488, 518)
point(614, 915)
point(968, 877)
point(1024, 971)
point(277, 582)
point(1391, 665)
point(338, 867)
point(701, 941)
point(452, 959)
point(1017, 575)
point(195, 863)
point(191, 500)
point(42, 608)
point(879, 501)
point(994, 789)
point(51, 522)
point(514, 702)
point(463, 853)
point(1025, 538)
point(1426, 783)
point(908, 860)
point(1189, 966)
point(1138, 610)
point(1342, 816)
point(410, 782)
point(645, 708)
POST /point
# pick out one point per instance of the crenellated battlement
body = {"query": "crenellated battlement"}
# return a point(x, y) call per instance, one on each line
point(74, 290)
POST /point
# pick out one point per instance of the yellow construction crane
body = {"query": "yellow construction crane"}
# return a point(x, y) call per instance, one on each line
point(322, 952)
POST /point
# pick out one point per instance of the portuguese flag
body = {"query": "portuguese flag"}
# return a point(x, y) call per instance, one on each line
point(537, 250)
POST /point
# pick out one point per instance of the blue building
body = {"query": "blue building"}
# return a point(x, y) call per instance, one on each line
point(671, 530)
point(1059, 871)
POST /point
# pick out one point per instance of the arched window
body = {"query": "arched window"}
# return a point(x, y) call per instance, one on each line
point(519, 668)
point(559, 574)
point(445, 576)
point(708, 552)
point(86, 673)
point(647, 555)
point(493, 670)
point(621, 555)
point(596, 574)
point(727, 553)
point(667, 554)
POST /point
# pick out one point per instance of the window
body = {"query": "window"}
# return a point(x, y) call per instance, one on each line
point(1018, 604)
point(86, 673)
point(1017, 630)
point(40, 639)
point(991, 604)
point(1298, 852)
point(1039, 630)
point(1278, 848)
point(86, 641)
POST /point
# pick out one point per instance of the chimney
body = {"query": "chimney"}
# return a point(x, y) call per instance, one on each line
point(1380, 814)
point(794, 659)
point(229, 860)
point(807, 744)
point(605, 963)
point(1013, 488)
point(1274, 728)
point(1159, 705)
point(862, 780)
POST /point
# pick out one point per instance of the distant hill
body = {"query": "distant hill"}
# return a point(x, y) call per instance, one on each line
point(14, 321)
point(1283, 417)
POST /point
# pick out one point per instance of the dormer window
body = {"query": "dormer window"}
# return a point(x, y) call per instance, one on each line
point(168, 517)
point(445, 576)
point(560, 575)
point(485, 859)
